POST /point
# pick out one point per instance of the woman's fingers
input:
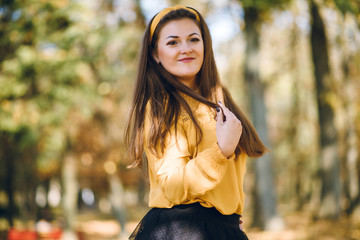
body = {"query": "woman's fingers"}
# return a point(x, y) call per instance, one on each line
point(227, 115)
point(219, 114)
point(223, 114)
point(227, 132)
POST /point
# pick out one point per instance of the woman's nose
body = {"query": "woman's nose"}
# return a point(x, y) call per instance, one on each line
point(186, 48)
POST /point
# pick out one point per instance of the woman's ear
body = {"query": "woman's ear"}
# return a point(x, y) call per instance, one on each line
point(155, 56)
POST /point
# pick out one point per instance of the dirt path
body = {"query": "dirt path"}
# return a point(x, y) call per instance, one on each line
point(299, 226)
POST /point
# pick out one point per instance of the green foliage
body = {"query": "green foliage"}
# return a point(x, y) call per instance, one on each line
point(348, 6)
point(61, 64)
point(55, 59)
point(263, 5)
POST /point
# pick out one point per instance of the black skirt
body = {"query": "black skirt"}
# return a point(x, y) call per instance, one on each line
point(188, 222)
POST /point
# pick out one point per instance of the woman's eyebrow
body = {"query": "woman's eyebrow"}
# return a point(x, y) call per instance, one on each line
point(179, 37)
point(194, 34)
point(172, 37)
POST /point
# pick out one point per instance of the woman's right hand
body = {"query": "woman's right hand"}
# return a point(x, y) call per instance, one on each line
point(228, 132)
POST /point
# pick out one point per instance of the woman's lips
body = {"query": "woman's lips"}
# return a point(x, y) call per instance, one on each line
point(186, 60)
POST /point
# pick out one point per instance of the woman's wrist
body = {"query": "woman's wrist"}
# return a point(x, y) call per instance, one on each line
point(225, 151)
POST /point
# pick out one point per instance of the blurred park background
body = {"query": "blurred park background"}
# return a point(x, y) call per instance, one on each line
point(67, 69)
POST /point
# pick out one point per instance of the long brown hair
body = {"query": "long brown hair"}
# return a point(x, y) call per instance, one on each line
point(154, 83)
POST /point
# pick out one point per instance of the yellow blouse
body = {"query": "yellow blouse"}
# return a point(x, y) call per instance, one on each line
point(186, 174)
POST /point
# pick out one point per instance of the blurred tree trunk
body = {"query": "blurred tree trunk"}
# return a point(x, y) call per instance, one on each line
point(7, 155)
point(70, 194)
point(265, 211)
point(329, 156)
point(298, 165)
point(350, 158)
point(27, 175)
point(116, 196)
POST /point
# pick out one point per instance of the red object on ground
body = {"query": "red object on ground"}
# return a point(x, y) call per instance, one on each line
point(15, 234)
point(53, 235)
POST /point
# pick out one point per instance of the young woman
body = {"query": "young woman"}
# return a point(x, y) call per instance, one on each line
point(195, 138)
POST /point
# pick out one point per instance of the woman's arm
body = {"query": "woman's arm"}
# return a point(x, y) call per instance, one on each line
point(180, 176)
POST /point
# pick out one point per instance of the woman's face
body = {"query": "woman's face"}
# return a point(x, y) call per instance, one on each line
point(180, 50)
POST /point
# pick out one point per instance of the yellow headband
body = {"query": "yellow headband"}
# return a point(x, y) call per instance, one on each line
point(165, 11)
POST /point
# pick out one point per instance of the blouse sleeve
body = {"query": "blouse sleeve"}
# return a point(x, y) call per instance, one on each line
point(181, 177)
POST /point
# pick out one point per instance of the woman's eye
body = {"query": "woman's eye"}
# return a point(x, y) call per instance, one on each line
point(171, 42)
point(194, 40)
